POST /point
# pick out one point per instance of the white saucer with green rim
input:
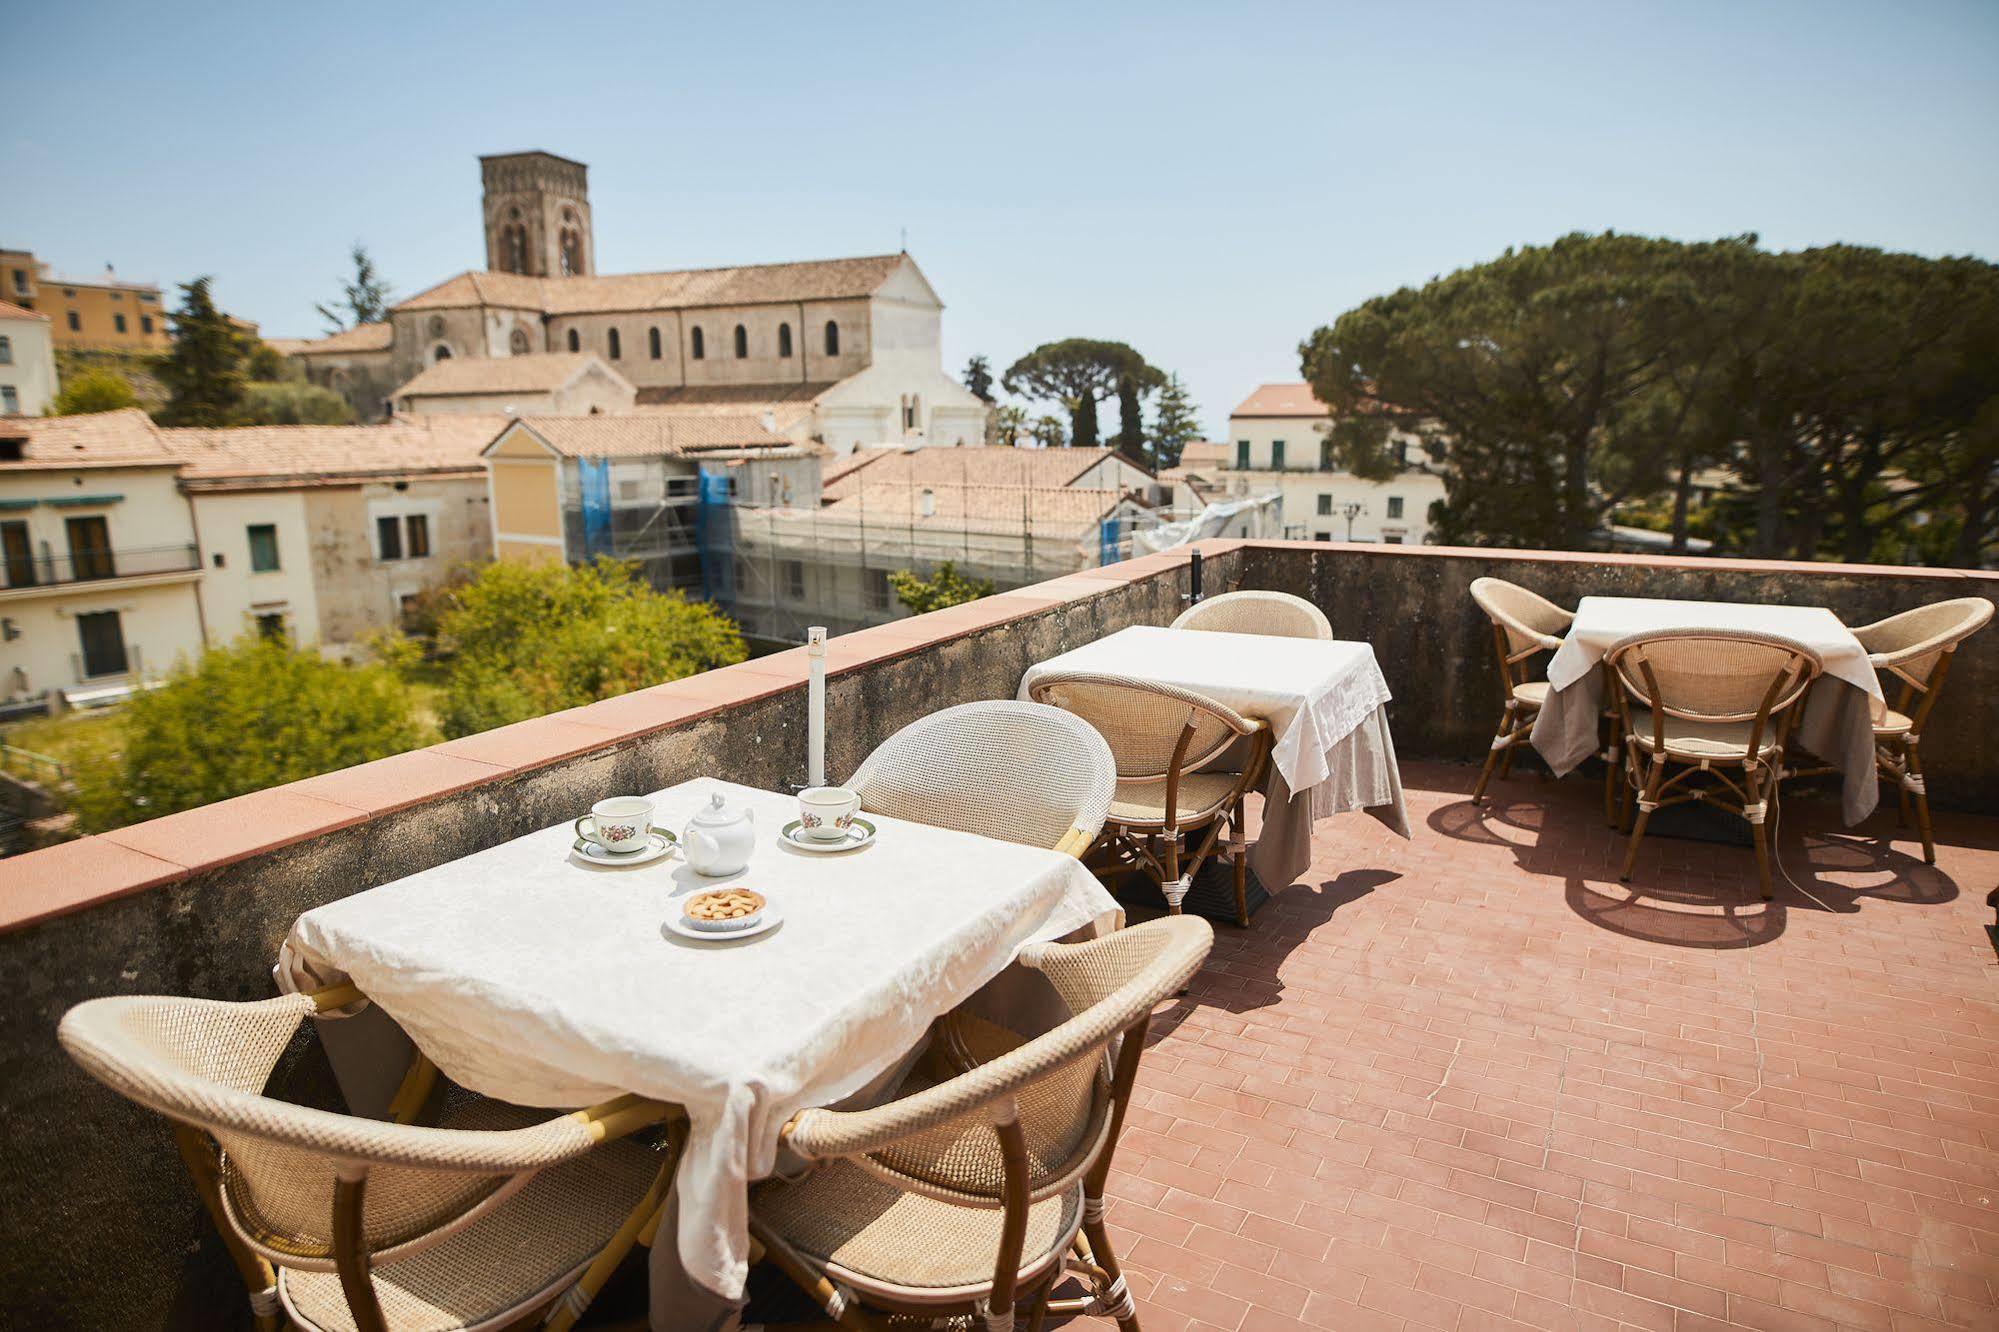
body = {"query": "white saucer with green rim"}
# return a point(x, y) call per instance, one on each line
point(659, 843)
point(859, 833)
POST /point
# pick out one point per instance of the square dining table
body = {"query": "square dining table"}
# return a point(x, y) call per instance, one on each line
point(1840, 712)
point(528, 976)
point(1326, 704)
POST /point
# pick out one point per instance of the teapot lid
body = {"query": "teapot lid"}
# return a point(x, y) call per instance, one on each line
point(718, 812)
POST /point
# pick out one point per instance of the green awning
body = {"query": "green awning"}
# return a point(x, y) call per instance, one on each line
point(11, 505)
point(80, 501)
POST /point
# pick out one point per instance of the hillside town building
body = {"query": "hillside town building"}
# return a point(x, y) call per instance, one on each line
point(27, 361)
point(1280, 436)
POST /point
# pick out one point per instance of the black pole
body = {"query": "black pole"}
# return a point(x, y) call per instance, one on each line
point(1195, 576)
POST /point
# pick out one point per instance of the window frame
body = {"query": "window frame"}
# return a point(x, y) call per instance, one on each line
point(388, 538)
point(614, 344)
point(742, 343)
point(250, 537)
point(832, 337)
point(416, 536)
point(697, 348)
point(784, 342)
point(1276, 455)
point(575, 341)
point(653, 343)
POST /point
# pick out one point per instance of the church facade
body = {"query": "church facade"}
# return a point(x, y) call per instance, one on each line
point(844, 352)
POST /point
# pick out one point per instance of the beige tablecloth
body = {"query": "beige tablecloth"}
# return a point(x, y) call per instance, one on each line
point(1325, 703)
point(1838, 722)
point(529, 977)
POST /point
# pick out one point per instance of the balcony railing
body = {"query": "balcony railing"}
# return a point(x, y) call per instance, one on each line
point(94, 564)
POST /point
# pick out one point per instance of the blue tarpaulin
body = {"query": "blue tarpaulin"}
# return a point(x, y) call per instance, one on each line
point(595, 474)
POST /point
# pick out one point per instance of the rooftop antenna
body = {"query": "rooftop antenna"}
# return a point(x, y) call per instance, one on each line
point(905, 240)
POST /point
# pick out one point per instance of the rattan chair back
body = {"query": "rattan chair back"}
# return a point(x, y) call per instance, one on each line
point(1706, 675)
point(1276, 614)
point(1154, 730)
point(1058, 1088)
point(205, 1063)
point(1018, 772)
point(1527, 619)
point(1912, 644)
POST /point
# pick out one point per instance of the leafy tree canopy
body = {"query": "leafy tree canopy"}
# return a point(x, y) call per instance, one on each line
point(203, 369)
point(290, 403)
point(533, 638)
point(945, 587)
point(1078, 373)
point(257, 713)
point(93, 391)
point(364, 298)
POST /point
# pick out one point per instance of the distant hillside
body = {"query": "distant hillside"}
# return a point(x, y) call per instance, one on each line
point(137, 367)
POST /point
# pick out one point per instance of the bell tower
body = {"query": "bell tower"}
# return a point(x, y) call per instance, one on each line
point(538, 215)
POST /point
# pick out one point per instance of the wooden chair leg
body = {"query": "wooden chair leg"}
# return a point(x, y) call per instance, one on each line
point(1610, 782)
point(1499, 742)
point(1115, 1297)
point(260, 1283)
point(1759, 833)
point(1506, 758)
point(1652, 780)
point(1171, 886)
point(1920, 790)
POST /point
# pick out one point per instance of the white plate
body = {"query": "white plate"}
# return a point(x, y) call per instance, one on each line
point(657, 844)
point(771, 920)
point(859, 834)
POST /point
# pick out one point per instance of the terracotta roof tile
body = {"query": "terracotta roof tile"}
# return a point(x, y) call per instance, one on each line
point(998, 466)
point(408, 446)
point(125, 438)
point(362, 338)
point(467, 375)
point(754, 284)
point(650, 436)
point(1284, 400)
point(979, 506)
point(9, 310)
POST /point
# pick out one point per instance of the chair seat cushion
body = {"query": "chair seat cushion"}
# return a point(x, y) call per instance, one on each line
point(1693, 741)
point(1202, 795)
point(1533, 694)
point(880, 1239)
point(524, 1250)
point(1895, 723)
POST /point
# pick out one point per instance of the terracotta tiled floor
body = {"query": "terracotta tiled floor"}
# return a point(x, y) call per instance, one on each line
point(1469, 1081)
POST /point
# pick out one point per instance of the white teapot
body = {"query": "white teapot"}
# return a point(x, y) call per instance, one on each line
point(720, 839)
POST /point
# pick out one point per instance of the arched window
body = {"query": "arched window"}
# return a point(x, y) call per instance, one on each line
point(513, 244)
point(700, 348)
point(617, 347)
point(742, 343)
point(437, 326)
point(443, 353)
point(832, 338)
point(784, 340)
point(572, 245)
point(575, 342)
point(652, 338)
point(519, 342)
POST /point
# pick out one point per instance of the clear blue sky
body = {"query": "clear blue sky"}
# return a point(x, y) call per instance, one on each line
point(1208, 183)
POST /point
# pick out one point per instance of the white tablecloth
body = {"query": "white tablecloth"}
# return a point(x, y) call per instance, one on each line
point(528, 977)
point(1838, 723)
point(1325, 703)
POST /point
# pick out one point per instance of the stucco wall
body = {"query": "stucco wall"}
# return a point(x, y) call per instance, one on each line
point(30, 367)
point(232, 592)
point(358, 591)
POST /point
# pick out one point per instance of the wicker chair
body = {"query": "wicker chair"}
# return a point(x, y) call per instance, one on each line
point(1018, 772)
point(494, 1214)
point(1524, 625)
point(1915, 647)
point(1278, 614)
point(1162, 738)
point(1708, 702)
point(963, 1199)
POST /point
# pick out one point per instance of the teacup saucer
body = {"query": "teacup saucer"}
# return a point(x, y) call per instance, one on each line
point(769, 921)
point(659, 843)
point(859, 834)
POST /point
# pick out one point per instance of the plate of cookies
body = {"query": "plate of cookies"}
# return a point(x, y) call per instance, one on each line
point(724, 913)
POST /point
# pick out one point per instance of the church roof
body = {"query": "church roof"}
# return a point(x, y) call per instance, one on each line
point(474, 375)
point(126, 438)
point(224, 459)
point(684, 289)
point(360, 338)
point(648, 436)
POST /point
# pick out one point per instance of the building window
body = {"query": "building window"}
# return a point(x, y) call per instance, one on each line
point(20, 282)
point(10, 401)
point(90, 548)
point(575, 340)
point(1325, 455)
point(742, 343)
point(784, 341)
point(616, 345)
point(75, 324)
point(1325, 503)
point(1394, 506)
point(572, 249)
point(442, 353)
point(409, 606)
point(263, 548)
point(1277, 455)
point(517, 342)
point(118, 322)
point(794, 579)
point(271, 626)
point(145, 323)
point(69, 292)
point(652, 342)
point(1242, 455)
point(17, 553)
point(103, 641)
point(1391, 538)
point(388, 539)
point(6, 351)
point(878, 588)
point(832, 338)
point(417, 527)
point(700, 348)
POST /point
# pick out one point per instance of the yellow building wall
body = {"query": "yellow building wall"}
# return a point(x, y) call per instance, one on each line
point(525, 483)
point(95, 312)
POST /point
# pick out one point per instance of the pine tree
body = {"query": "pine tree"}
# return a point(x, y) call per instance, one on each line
point(204, 368)
point(1174, 425)
point(979, 379)
point(365, 300)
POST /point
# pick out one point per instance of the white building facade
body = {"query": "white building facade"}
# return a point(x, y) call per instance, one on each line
point(1279, 436)
point(27, 361)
